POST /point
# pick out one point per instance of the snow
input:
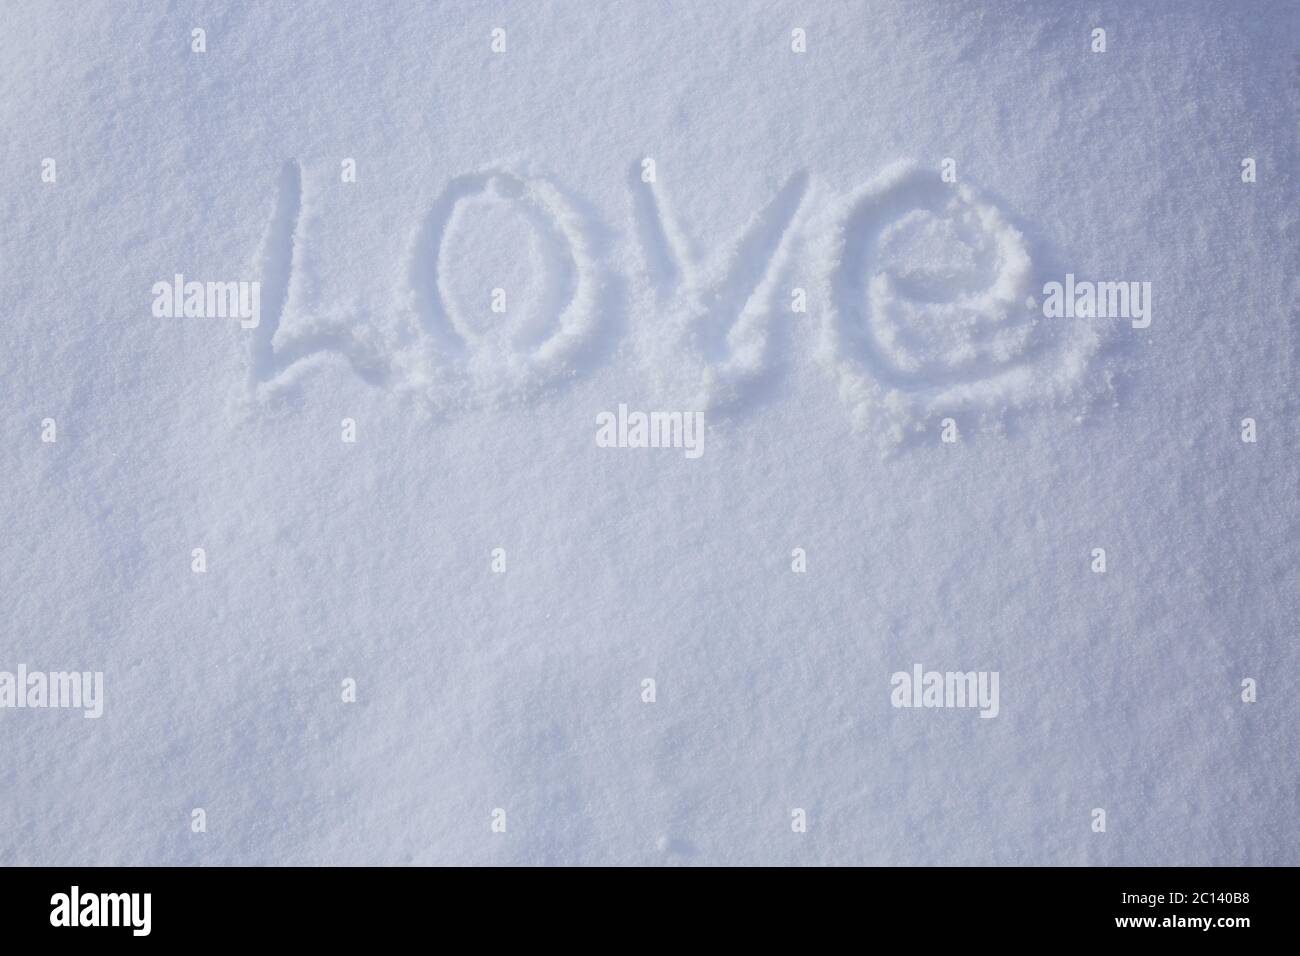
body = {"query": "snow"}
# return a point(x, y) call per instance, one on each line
point(522, 170)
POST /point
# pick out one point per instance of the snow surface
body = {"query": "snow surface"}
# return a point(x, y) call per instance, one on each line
point(522, 690)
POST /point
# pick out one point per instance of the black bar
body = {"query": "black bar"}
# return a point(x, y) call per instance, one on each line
point(339, 905)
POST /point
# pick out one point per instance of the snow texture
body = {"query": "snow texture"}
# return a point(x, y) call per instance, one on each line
point(667, 286)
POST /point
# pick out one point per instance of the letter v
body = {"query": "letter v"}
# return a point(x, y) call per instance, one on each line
point(713, 300)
